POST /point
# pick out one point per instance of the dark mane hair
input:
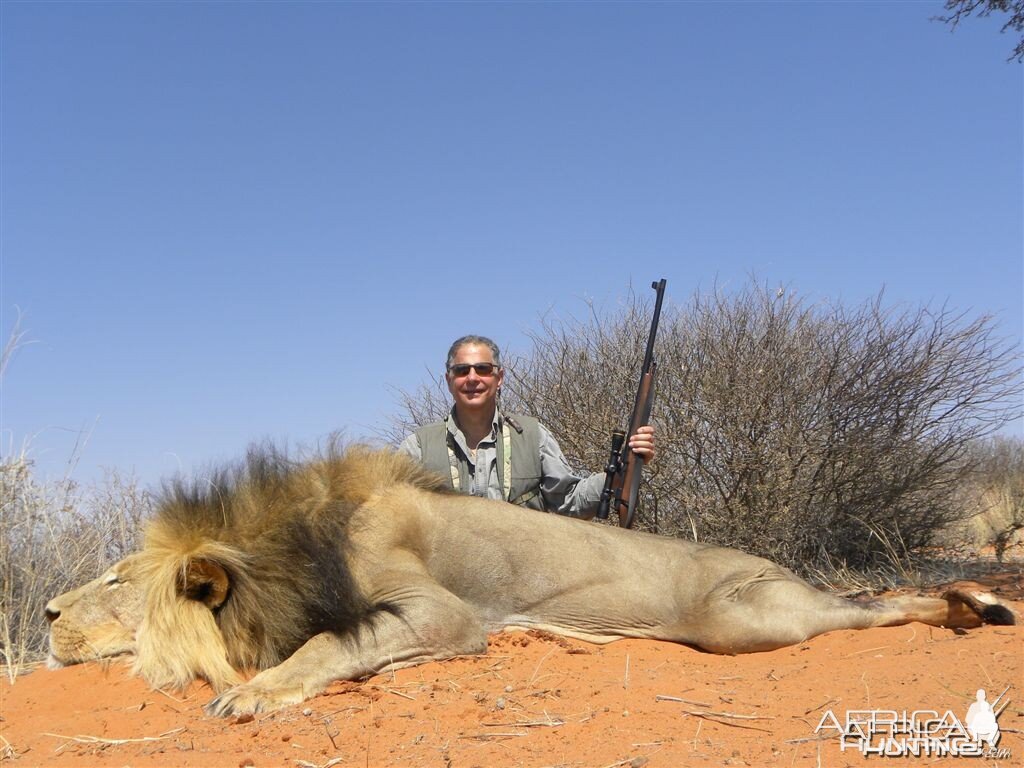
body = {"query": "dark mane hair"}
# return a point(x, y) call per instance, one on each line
point(279, 529)
point(265, 466)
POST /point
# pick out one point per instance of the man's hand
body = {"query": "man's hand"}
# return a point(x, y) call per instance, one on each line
point(642, 443)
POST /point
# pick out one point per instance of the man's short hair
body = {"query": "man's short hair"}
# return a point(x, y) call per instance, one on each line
point(473, 339)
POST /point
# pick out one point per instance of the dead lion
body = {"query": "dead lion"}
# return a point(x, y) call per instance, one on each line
point(359, 562)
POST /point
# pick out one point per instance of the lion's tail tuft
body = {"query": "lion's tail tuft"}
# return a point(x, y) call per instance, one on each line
point(998, 615)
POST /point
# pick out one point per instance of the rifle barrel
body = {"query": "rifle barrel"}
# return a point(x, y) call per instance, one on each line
point(659, 287)
point(1000, 696)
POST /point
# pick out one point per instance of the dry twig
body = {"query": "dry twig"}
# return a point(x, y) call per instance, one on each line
point(101, 740)
point(488, 736)
point(660, 697)
point(821, 706)
point(866, 650)
point(713, 717)
point(549, 723)
point(329, 764)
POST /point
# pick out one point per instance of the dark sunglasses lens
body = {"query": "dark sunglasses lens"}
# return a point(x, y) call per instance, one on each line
point(462, 369)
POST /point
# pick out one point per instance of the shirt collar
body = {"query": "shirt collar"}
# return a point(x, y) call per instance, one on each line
point(454, 430)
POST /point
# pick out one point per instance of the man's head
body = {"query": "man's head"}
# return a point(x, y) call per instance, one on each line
point(474, 374)
point(482, 341)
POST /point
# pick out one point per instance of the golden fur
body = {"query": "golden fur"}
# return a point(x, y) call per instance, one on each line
point(360, 561)
point(250, 523)
point(97, 620)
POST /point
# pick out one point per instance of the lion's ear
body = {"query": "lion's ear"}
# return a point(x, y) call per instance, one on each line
point(205, 581)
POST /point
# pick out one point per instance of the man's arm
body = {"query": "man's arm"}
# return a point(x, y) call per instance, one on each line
point(564, 491)
point(567, 493)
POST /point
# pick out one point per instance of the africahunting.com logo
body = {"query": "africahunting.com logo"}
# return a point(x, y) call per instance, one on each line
point(921, 732)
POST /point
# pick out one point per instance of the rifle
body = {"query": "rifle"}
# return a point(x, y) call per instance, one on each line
point(996, 702)
point(622, 475)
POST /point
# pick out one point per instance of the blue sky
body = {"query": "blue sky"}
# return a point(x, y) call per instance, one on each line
point(229, 221)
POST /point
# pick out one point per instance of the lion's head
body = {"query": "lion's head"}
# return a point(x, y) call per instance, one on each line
point(238, 570)
point(97, 620)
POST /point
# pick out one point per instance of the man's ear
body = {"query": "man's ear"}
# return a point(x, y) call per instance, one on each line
point(205, 581)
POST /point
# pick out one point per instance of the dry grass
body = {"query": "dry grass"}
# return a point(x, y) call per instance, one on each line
point(55, 535)
point(993, 500)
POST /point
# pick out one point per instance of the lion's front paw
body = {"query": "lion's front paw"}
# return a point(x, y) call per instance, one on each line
point(249, 698)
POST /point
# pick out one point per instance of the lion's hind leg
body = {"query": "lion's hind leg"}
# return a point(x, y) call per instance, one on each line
point(957, 608)
point(762, 609)
point(771, 608)
point(979, 605)
point(427, 624)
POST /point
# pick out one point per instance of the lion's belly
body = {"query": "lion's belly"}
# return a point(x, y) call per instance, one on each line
point(521, 568)
point(593, 620)
point(556, 629)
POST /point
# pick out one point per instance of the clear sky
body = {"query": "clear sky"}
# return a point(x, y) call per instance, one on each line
point(229, 221)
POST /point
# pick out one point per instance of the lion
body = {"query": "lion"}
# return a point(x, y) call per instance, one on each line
point(97, 620)
point(360, 561)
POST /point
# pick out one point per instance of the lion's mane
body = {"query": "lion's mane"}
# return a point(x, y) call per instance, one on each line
point(242, 568)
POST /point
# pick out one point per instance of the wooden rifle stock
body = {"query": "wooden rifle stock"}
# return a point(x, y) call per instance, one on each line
point(623, 473)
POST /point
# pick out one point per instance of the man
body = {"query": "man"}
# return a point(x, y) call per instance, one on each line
point(503, 456)
point(981, 720)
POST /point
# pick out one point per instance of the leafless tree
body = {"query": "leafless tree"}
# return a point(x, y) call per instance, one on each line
point(961, 9)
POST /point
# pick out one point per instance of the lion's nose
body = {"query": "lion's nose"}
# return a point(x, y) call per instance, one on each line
point(52, 614)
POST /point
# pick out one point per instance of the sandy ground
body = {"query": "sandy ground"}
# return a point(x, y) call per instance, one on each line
point(537, 700)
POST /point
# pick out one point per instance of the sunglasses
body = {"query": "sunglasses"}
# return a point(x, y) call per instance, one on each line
point(462, 369)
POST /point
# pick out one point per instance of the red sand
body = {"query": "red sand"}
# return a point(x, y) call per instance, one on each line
point(537, 700)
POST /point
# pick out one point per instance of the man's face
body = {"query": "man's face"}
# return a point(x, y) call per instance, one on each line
point(473, 391)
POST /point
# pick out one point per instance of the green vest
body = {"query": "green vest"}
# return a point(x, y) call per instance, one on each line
point(518, 449)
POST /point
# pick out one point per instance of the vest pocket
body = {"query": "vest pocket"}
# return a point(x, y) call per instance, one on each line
point(525, 491)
